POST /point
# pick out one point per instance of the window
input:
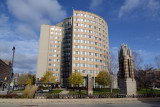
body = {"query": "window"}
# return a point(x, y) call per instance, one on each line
point(90, 65)
point(96, 60)
point(84, 47)
point(83, 71)
point(84, 53)
point(49, 64)
point(90, 59)
point(76, 35)
point(84, 65)
point(96, 54)
point(76, 41)
point(89, 31)
point(76, 58)
point(49, 59)
point(76, 64)
point(96, 66)
point(83, 41)
point(52, 28)
point(90, 36)
point(76, 52)
point(83, 59)
point(76, 46)
point(84, 36)
point(90, 47)
point(90, 53)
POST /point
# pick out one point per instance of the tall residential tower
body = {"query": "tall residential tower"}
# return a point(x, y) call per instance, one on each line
point(78, 43)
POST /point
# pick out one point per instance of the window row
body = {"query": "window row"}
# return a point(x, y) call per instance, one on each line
point(90, 42)
point(54, 60)
point(89, 16)
point(89, 36)
point(55, 46)
point(90, 21)
point(51, 41)
point(55, 37)
point(85, 65)
point(56, 29)
point(55, 65)
point(89, 26)
point(55, 33)
point(53, 50)
point(52, 69)
point(89, 71)
point(55, 55)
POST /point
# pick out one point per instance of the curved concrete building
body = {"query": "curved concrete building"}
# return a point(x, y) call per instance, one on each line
point(84, 46)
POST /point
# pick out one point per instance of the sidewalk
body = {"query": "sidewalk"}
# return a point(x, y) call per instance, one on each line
point(80, 101)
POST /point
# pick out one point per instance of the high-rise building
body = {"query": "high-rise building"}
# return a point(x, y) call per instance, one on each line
point(78, 43)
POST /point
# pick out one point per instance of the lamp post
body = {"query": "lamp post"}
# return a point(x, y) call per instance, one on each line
point(11, 74)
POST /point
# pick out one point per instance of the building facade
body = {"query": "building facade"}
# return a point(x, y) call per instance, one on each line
point(83, 47)
point(5, 71)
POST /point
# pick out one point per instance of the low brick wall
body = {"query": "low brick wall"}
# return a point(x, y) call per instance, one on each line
point(79, 101)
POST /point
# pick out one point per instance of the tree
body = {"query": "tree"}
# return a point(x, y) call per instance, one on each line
point(25, 79)
point(22, 79)
point(103, 78)
point(143, 77)
point(48, 77)
point(157, 61)
point(137, 61)
point(113, 69)
point(76, 78)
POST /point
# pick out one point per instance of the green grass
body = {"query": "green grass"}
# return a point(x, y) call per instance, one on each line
point(18, 91)
point(95, 91)
point(57, 91)
point(143, 91)
point(104, 91)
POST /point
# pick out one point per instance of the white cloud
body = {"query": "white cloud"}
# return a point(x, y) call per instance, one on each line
point(36, 12)
point(158, 39)
point(3, 19)
point(128, 6)
point(26, 31)
point(115, 50)
point(148, 57)
point(146, 7)
point(95, 4)
point(25, 54)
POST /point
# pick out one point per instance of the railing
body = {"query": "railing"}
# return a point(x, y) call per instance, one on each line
point(75, 96)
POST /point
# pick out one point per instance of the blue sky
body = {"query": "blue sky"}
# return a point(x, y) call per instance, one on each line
point(135, 22)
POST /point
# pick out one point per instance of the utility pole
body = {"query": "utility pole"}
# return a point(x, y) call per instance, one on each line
point(11, 74)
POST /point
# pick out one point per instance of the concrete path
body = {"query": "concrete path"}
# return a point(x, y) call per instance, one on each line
point(64, 91)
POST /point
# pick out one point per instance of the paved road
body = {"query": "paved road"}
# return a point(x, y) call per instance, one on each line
point(155, 104)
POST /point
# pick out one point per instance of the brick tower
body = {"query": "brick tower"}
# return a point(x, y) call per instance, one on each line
point(126, 80)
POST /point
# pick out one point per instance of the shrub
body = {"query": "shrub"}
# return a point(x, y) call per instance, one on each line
point(29, 91)
point(32, 91)
point(11, 96)
point(26, 91)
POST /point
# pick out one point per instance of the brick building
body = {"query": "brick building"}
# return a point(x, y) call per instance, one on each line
point(5, 70)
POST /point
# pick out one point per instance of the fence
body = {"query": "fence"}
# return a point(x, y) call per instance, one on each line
point(75, 96)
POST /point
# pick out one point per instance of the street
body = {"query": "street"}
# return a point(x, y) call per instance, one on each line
point(155, 104)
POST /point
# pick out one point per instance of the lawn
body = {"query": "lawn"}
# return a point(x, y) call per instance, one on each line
point(18, 91)
point(95, 91)
point(57, 91)
point(143, 91)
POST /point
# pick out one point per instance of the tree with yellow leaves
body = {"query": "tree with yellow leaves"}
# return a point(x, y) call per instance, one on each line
point(25, 79)
point(103, 78)
point(48, 77)
point(76, 78)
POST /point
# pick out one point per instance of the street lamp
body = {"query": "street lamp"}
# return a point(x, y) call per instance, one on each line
point(11, 74)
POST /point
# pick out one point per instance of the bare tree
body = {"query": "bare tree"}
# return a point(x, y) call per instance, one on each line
point(144, 78)
point(113, 69)
point(157, 61)
point(137, 61)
